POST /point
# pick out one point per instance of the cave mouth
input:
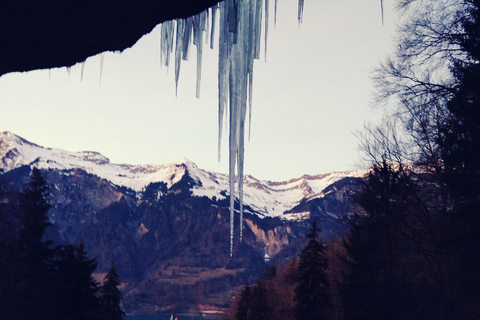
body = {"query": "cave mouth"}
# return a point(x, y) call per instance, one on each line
point(59, 33)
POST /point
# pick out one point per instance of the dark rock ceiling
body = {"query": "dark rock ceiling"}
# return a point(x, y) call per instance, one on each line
point(38, 34)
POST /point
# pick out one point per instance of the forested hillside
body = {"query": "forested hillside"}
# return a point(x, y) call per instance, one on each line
point(40, 279)
point(170, 247)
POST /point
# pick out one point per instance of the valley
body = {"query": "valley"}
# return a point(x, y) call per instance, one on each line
point(166, 227)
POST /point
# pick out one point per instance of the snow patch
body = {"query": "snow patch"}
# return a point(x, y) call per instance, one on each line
point(299, 216)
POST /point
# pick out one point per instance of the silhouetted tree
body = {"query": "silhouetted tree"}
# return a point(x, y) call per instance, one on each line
point(311, 292)
point(34, 206)
point(460, 149)
point(434, 78)
point(38, 279)
point(35, 274)
point(110, 299)
point(243, 309)
point(260, 305)
point(385, 245)
point(76, 288)
point(361, 292)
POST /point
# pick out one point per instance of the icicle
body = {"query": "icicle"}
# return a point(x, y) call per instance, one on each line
point(231, 11)
point(198, 29)
point(187, 33)
point(199, 67)
point(224, 49)
point(241, 59)
point(241, 149)
point(381, 7)
point(257, 27)
point(178, 52)
point(82, 69)
point(300, 11)
point(239, 42)
point(166, 42)
point(214, 22)
point(207, 23)
point(275, 14)
point(102, 58)
point(250, 103)
point(253, 47)
point(266, 28)
point(234, 78)
point(232, 159)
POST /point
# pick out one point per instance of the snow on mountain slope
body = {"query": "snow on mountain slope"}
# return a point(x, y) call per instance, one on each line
point(16, 151)
point(266, 198)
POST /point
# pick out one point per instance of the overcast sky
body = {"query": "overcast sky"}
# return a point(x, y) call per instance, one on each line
point(310, 96)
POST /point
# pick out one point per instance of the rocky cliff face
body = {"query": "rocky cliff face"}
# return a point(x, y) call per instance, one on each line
point(167, 226)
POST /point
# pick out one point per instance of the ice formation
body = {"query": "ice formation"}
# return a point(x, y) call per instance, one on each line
point(300, 10)
point(102, 58)
point(82, 70)
point(240, 25)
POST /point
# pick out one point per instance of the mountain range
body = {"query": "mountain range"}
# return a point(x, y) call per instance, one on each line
point(166, 227)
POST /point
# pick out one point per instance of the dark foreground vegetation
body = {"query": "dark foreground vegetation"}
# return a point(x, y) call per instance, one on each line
point(413, 251)
point(44, 281)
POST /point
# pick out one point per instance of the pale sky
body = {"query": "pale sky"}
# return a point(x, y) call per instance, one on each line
point(310, 96)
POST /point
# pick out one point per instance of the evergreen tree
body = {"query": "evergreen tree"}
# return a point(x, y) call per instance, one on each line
point(256, 302)
point(394, 265)
point(460, 135)
point(380, 247)
point(34, 206)
point(111, 296)
point(39, 280)
point(77, 290)
point(260, 306)
point(460, 147)
point(243, 310)
point(361, 287)
point(311, 293)
point(35, 274)
point(269, 273)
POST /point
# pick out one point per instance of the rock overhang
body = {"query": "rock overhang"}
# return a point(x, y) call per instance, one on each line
point(58, 33)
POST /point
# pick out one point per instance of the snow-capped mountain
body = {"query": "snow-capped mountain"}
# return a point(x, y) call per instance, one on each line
point(265, 198)
point(161, 224)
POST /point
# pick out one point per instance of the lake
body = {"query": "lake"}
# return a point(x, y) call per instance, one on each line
point(167, 317)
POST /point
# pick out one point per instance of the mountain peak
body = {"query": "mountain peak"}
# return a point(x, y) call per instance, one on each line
point(265, 198)
point(10, 141)
point(187, 162)
point(7, 143)
point(12, 151)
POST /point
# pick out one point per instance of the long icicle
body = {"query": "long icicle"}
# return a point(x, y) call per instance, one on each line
point(266, 26)
point(243, 56)
point(102, 59)
point(238, 45)
point(178, 51)
point(232, 159)
point(223, 71)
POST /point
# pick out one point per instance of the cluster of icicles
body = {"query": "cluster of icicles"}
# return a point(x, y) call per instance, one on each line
point(240, 23)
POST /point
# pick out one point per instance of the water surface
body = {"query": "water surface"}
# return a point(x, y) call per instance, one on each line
point(167, 317)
